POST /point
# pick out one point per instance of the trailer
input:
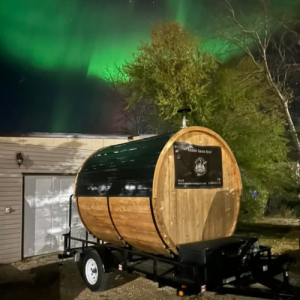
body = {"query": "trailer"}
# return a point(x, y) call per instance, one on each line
point(227, 265)
point(166, 207)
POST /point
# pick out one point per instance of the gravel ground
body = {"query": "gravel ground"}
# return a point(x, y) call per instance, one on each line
point(47, 278)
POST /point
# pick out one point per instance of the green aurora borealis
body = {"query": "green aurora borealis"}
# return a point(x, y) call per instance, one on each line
point(89, 37)
point(91, 34)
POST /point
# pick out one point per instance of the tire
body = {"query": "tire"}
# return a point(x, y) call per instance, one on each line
point(92, 272)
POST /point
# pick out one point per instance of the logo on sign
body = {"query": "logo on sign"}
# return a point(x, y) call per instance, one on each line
point(200, 166)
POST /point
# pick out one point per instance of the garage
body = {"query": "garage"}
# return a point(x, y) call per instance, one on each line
point(37, 175)
point(46, 212)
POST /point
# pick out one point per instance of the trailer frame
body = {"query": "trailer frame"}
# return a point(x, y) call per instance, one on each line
point(253, 265)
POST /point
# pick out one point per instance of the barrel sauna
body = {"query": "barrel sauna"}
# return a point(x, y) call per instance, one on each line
point(156, 193)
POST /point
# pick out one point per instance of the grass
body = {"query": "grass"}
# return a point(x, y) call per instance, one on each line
point(281, 235)
point(280, 246)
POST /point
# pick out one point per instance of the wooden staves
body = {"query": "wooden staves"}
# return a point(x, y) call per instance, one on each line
point(195, 195)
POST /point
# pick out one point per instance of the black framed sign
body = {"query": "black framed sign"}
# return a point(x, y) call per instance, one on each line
point(197, 167)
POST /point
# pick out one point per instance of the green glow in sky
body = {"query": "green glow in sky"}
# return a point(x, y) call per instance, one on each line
point(89, 34)
point(179, 10)
point(54, 34)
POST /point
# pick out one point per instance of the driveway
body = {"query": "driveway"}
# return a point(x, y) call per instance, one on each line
point(46, 278)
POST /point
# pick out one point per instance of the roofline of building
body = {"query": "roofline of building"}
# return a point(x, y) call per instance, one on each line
point(73, 135)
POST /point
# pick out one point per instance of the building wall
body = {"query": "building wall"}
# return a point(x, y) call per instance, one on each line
point(41, 156)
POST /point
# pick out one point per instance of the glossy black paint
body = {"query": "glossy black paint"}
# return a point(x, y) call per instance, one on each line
point(124, 170)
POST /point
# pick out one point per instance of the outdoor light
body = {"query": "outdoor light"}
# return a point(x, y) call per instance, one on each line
point(19, 159)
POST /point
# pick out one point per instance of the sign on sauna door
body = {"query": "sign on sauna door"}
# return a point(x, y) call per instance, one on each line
point(46, 213)
point(197, 166)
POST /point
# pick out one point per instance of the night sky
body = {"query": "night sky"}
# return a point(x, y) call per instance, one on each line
point(54, 55)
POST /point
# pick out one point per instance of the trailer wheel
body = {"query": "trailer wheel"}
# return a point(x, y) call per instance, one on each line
point(93, 273)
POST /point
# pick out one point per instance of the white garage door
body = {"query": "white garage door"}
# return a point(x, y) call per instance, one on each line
point(46, 213)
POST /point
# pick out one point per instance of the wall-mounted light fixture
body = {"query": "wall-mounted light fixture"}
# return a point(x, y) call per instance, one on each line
point(19, 158)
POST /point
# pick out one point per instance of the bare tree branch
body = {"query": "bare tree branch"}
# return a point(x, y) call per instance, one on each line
point(133, 120)
point(271, 54)
point(251, 74)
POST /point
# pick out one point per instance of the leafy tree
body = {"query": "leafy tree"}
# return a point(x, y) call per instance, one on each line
point(171, 72)
point(142, 117)
point(248, 118)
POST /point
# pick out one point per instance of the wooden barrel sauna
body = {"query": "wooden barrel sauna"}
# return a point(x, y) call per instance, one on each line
point(156, 193)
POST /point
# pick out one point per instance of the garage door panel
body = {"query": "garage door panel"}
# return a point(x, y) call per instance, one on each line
point(64, 203)
point(43, 223)
point(62, 212)
point(43, 212)
point(66, 185)
point(40, 235)
point(46, 212)
point(42, 203)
